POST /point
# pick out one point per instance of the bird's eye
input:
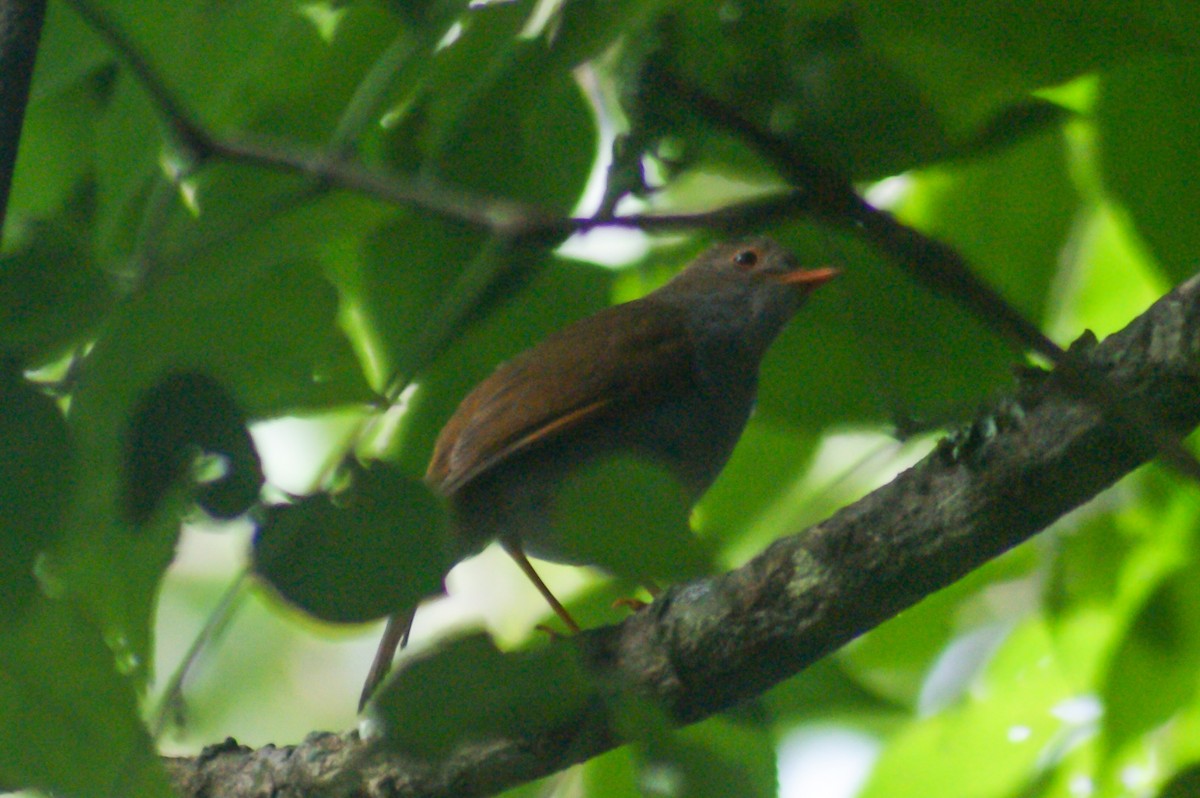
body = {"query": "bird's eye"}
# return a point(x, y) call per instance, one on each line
point(746, 258)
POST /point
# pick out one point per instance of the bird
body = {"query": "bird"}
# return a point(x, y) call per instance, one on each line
point(670, 377)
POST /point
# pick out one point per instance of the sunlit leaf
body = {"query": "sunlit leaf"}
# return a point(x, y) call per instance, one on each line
point(1013, 723)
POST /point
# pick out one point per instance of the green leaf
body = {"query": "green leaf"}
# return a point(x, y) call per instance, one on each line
point(722, 757)
point(878, 88)
point(266, 329)
point(584, 28)
point(378, 550)
point(1010, 726)
point(1184, 784)
point(51, 291)
point(69, 720)
point(840, 96)
point(36, 469)
point(263, 326)
point(1087, 569)
point(894, 660)
point(1116, 277)
point(410, 264)
point(258, 64)
point(614, 774)
point(1149, 131)
point(742, 511)
point(497, 114)
point(1152, 674)
point(128, 147)
point(1008, 214)
point(718, 757)
point(57, 151)
point(969, 58)
point(468, 692)
point(530, 137)
point(629, 516)
point(828, 689)
point(454, 76)
point(69, 54)
point(872, 345)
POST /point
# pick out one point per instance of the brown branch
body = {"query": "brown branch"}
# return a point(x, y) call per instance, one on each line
point(821, 192)
point(703, 647)
point(707, 645)
point(186, 132)
point(20, 30)
point(830, 197)
point(503, 217)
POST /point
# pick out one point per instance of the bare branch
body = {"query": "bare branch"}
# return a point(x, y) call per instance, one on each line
point(831, 197)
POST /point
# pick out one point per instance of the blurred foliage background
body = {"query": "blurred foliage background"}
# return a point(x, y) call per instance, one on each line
point(1055, 144)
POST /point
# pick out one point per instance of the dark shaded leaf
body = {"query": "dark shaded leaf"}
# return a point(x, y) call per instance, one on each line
point(36, 470)
point(185, 414)
point(51, 291)
point(629, 516)
point(971, 58)
point(1151, 675)
point(1184, 784)
point(69, 721)
point(1149, 129)
point(379, 550)
point(469, 692)
point(872, 345)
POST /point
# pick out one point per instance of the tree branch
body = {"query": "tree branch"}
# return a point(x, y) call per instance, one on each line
point(831, 197)
point(707, 645)
point(820, 192)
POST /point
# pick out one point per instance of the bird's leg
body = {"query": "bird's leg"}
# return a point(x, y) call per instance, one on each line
point(395, 635)
point(514, 551)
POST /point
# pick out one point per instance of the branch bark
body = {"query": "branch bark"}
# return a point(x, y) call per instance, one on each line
point(704, 646)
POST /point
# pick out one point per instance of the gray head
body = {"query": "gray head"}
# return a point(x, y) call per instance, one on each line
point(744, 291)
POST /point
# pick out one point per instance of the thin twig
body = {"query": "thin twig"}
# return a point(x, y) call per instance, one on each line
point(502, 217)
point(187, 132)
point(822, 192)
point(170, 706)
point(505, 218)
point(831, 197)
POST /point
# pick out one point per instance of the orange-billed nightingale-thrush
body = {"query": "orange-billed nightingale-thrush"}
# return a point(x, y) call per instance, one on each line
point(670, 377)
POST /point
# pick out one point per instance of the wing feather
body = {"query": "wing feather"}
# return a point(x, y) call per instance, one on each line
point(613, 362)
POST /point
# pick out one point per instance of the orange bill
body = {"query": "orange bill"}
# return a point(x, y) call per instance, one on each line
point(809, 277)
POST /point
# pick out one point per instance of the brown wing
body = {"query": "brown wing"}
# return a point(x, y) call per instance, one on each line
point(599, 365)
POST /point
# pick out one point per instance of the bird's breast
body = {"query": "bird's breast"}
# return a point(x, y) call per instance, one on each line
point(693, 434)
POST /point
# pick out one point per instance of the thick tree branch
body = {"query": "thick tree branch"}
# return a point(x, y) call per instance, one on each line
point(704, 646)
